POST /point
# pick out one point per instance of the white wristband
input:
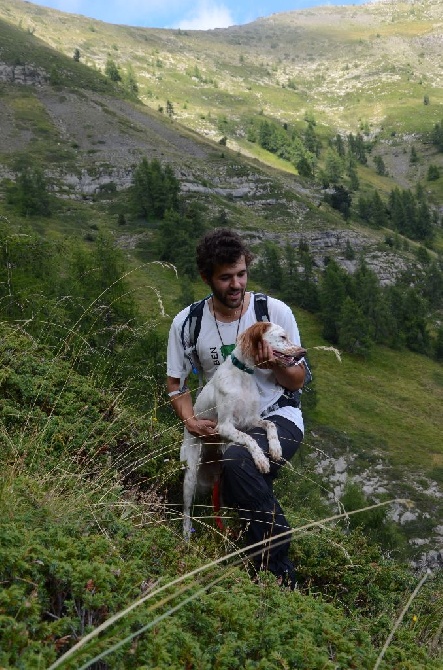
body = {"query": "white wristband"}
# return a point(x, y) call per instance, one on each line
point(184, 389)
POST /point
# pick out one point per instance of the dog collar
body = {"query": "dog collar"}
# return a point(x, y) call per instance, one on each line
point(241, 366)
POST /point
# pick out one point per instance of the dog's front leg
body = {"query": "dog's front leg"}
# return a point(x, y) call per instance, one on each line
point(273, 441)
point(230, 433)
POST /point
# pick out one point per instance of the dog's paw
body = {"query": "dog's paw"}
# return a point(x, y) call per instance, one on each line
point(275, 450)
point(262, 463)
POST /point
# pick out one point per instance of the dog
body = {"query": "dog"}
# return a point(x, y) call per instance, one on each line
point(231, 399)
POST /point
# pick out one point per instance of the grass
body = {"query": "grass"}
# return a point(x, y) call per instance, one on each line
point(395, 396)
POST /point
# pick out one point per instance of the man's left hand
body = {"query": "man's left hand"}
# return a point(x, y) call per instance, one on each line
point(265, 359)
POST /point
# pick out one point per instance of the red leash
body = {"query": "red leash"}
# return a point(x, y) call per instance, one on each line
point(216, 505)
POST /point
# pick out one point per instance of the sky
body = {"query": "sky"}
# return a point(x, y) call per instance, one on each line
point(184, 14)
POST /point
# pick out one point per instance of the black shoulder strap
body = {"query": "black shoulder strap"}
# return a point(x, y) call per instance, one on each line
point(191, 328)
point(261, 307)
point(192, 323)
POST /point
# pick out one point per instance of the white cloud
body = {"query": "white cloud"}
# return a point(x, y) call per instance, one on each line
point(205, 16)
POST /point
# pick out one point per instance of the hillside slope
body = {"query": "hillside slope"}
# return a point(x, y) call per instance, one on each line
point(89, 133)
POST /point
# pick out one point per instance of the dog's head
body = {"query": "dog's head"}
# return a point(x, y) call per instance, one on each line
point(284, 350)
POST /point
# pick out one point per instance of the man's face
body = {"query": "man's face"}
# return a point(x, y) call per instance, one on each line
point(228, 283)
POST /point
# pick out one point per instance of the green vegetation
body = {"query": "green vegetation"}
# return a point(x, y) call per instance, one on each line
point(20, 48)
point(90, 524)
point(29, 193)
point(314, 127)
point(355, 311)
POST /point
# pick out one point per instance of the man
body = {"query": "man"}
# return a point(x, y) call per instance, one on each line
point(223, 261)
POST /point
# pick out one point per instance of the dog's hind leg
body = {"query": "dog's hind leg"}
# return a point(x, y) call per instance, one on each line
point(190, 452)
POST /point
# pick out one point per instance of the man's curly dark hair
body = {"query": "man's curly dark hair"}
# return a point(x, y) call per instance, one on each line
point(221, 246)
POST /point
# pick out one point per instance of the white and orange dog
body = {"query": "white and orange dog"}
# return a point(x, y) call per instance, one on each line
point(231, 398)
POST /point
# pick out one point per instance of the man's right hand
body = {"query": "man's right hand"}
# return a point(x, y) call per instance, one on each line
point(203, 428)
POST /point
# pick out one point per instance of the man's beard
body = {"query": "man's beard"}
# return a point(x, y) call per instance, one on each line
point(223, 298)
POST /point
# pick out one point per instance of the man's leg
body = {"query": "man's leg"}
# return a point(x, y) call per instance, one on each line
point(251, 493)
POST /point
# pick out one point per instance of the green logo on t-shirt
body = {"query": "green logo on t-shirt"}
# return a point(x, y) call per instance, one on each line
point(226, 350)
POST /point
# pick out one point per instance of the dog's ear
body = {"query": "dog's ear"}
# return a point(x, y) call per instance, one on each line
point(250, 338)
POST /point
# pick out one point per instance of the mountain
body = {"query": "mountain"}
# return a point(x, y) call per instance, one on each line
point(365, 69)
point(293, 129)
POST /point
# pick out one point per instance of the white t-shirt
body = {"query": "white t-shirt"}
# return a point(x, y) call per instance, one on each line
point(213, 346)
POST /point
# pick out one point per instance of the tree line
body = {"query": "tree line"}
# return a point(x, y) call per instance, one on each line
point(355, 311)
point(299, 148)
point(75, 298)
point(405, 211)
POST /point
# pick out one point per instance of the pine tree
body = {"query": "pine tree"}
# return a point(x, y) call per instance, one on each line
point(423, 229)
point(333, 166)
point(366, 294)
point(290, 275)
point(169, 109)
point(353, 329)
point(308, 296)
point(333, 291)
point(30, 193)
point(437, 136)
point(380, 166)
point(112, 71)
point(438, 345)
point(269, 268)
point(378, 214)
point(154, 189)
point(130, 81)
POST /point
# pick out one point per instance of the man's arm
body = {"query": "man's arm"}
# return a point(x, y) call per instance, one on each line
point(182, 404)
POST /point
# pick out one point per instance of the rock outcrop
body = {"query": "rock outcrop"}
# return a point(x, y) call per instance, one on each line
point(28, 75)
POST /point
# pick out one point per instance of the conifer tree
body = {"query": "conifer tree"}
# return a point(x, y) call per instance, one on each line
point(30, 193)
point(333, 292)
point(353, 327)
point(154, 189)
point(377, 210)
point(333, 166)
point(437, 135)
point(269, 268)
point(112, 71)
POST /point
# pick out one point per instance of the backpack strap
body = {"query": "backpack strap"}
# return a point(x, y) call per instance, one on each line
point(261, 307)
point(189, 334)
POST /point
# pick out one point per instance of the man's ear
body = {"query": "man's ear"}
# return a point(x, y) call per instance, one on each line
point(204, 278)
